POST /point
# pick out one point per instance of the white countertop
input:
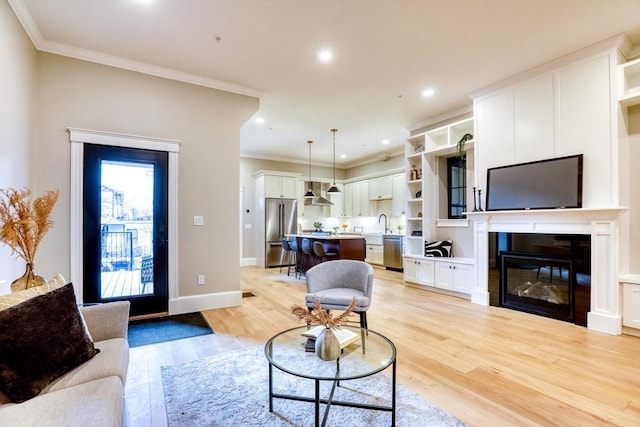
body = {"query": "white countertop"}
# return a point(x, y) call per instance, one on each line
point(326, 237)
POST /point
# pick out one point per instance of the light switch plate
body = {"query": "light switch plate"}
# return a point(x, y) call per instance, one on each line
point(198, 220)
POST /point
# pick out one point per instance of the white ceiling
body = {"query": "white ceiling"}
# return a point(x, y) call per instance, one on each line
point(385, 54)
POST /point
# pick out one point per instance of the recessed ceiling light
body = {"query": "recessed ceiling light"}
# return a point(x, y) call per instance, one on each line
point(385, 141)
point(325, 55)
point(428, 92)
point(343, 156)
point(259, 120)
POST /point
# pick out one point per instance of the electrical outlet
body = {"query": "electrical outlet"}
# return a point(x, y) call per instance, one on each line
point(200, 279)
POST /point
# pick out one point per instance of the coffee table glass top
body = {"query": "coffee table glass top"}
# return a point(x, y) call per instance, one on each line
point(286, 351)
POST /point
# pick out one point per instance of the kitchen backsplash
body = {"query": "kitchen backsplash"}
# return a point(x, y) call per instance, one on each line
point(367, 224)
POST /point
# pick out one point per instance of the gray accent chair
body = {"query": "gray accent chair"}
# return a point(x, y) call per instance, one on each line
point(337, 282)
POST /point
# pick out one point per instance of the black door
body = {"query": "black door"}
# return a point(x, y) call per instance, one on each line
point(125, 227)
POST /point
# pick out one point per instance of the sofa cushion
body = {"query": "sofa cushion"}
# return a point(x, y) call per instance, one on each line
point(96, 403)
point(112, 360)
point(41, 339)
point(15, 298)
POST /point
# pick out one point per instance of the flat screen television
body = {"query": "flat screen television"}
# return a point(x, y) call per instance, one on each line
point(545, 184)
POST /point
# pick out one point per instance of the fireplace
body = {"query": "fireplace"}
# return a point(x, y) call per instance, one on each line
point(538, 284)
point(543, 274)
point(597, 301)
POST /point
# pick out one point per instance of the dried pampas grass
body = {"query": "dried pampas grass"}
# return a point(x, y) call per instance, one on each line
point(322, 316)
point(24, 221)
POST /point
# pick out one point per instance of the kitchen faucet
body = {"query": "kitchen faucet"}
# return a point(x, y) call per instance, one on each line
point(385, 222)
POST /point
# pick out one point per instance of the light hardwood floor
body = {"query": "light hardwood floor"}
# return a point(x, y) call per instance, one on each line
point(488, 366)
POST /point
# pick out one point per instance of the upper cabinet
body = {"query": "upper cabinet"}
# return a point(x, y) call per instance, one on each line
point(629, 83)
point(338, 200)
point(381, 188)
point(280, 186)
point(398, 194)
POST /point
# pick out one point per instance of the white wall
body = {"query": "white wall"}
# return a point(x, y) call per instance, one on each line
point(17, 91)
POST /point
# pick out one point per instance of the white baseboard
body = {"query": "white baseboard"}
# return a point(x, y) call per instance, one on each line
point(193, 303)
point(247, 261)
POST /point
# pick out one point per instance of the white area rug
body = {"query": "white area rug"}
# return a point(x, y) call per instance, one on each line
point(232, 390)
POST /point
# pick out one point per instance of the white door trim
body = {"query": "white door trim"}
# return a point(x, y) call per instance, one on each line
point(79, 137)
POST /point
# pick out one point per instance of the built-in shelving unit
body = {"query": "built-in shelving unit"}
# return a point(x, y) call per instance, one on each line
point(423, 153)
point(629, 83)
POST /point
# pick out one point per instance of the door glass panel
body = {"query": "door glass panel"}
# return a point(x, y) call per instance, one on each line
point(126, 224)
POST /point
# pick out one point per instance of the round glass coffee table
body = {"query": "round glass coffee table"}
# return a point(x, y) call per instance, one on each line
point(286, 351)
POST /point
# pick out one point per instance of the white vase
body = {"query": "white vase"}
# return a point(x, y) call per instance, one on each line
point(327, 345)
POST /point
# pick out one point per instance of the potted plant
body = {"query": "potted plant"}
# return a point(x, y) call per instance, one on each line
point(23, 223)
point(317, 225)
point(327, 345)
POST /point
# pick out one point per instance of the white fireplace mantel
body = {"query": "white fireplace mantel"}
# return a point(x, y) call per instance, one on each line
point(600, 223)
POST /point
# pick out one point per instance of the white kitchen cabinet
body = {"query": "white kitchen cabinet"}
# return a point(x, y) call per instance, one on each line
point(453, 276)
point(280, 186)
point(381, 188)
point(348, 199)
point(375, 254)
point(398, 194)
point(338, 199)
point(360, 199)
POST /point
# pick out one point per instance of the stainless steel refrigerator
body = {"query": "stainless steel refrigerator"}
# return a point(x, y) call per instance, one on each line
point(281, 217)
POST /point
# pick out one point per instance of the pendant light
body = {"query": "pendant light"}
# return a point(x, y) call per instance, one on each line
point(309, 194)
point(334, 188)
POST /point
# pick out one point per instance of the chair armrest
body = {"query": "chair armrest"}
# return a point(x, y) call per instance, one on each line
point(106, 321)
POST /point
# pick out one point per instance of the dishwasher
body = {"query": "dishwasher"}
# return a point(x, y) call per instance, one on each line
point(392, 245)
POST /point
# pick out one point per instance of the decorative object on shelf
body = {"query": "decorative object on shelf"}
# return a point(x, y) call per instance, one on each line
point(317, 225)
point(23, 223)
point(460, 146)
point(479, 200)
point(418, 148)
point(419, 173)
point(309, 194)
point(413, 175)
point(417, 233)
point(334, 188)
point(475, 208)
point(419, 214)
point(418, 194)
point(327, 345)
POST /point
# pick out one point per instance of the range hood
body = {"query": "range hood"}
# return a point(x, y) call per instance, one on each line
point(319, 200)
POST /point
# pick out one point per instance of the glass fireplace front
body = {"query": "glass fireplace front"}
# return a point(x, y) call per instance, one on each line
point(538, 283)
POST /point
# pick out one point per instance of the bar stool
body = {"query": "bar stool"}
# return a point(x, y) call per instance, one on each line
point(297, 254)
point(286, 254)
point(321, 254)
point(308, 255)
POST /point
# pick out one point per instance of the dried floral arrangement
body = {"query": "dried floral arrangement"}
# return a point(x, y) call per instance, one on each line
point(24, 220)
point(322, 316)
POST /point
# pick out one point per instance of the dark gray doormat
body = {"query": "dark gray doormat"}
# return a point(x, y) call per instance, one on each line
point(167, 328)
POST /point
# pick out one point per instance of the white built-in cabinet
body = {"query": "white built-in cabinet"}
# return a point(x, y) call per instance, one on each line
point(448, 274)
point(631, 305)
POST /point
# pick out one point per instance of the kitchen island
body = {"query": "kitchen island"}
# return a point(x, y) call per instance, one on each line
point(348, 246)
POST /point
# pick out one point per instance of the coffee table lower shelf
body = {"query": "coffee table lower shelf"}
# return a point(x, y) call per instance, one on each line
point(317, 400)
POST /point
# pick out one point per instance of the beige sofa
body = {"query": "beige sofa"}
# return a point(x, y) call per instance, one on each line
point(91, 394)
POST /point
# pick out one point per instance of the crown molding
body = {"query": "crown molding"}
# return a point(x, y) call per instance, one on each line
point(31, 28)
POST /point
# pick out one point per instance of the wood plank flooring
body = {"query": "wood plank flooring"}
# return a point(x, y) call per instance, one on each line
point(488, 366)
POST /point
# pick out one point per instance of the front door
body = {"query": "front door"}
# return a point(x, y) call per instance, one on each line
point(125, 227)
